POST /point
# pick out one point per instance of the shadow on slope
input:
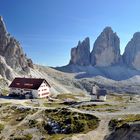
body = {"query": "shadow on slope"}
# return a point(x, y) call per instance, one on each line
point(116, 73)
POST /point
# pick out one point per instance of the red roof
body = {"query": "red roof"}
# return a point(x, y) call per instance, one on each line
point(27, 83)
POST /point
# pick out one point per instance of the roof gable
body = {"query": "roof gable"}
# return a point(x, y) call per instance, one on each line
point(27, 83)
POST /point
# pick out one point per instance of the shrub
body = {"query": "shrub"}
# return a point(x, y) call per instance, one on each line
point(115, 123)
point(1, 127)
point(26, 137)
point(65, 121)
point(32, 123)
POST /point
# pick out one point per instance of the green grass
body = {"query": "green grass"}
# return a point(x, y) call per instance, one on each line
point(77, 122)
point(66, 96)
point(5, 92)
point(72, 122)
point(1, 127)
point(14, 115)
point(26, 137)
point(32, 123)
point(5, 104)
point(115, 123)
point(94, 107)
point(110, 110)
point(73, 96)
point(118, 98)
point(57, 137)
point(55, 105)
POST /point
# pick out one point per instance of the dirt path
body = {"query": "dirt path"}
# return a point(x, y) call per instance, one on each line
point(97, 134)
point(9, 130)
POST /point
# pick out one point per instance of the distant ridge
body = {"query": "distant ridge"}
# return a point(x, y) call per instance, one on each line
point(106, 51)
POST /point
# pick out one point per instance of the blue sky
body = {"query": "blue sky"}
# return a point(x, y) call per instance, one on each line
point(48, 29)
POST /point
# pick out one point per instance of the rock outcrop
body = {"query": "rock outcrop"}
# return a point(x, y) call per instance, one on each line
point(4, 36)
point(106, 49)
point(131, 56)
point(80, 55)
point(11, 50)
point(126, 132)
point(5, 70)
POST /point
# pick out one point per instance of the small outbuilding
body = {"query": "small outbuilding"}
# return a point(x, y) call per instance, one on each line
point(98, 94)
point(29, 88)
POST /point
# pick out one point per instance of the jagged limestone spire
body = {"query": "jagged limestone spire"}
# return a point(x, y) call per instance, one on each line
point(3, 30)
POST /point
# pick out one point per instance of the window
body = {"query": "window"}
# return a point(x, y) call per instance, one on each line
point(28, 84)
point(18, 84)
point(46, 93)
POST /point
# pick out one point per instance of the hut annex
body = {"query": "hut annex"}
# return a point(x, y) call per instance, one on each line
point(98, 94)
point(29, 88)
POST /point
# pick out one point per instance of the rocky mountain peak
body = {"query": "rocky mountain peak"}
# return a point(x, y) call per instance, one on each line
point(4, 38)
point(107, 30)
point(136, 35)
point(12, 52)
point(131, 55)
point(2, 27)
point(80, 55)
point(106, 49)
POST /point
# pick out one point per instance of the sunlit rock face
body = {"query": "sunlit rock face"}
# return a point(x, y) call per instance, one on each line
point(131, 56)
point(5, 70)
point(106, 49)
point(4, 36)
point(12, 51)
point(80, 55)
